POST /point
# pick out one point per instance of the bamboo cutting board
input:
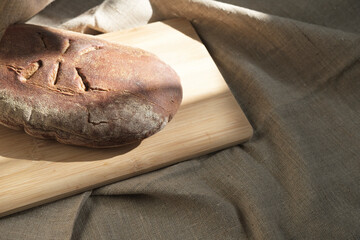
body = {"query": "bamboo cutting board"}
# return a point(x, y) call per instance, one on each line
point(34, 171)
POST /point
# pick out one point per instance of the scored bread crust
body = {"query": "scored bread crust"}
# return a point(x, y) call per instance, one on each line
point(82, 90)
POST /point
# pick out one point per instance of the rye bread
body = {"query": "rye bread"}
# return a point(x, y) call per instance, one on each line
point(82, 90)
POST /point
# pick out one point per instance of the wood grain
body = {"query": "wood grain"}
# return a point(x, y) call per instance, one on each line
point(34, 171)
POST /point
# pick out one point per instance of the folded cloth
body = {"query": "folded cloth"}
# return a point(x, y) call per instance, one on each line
point(294, 68)
point(18, 11)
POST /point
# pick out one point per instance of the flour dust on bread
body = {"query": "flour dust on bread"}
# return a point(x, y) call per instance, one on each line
point(81, 90)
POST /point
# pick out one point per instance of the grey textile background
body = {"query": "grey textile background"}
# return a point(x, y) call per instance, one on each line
point(294, 67)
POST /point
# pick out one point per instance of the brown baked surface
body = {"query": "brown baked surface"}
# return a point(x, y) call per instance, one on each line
point(81, 90)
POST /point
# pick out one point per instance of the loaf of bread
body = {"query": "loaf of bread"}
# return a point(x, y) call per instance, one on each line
point(82, 90)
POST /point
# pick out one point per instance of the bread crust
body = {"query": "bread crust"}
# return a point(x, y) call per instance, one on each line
point(81, 90)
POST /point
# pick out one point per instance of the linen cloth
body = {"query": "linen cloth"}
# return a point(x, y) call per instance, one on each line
point(294, 67)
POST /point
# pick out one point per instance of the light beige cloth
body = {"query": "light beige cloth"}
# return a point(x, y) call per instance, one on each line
point(19, 11)
point(294, 67)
